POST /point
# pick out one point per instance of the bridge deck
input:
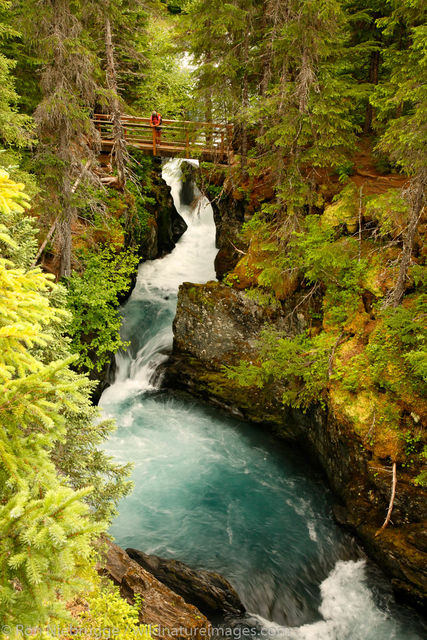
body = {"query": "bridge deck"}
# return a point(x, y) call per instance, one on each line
point(203, 140)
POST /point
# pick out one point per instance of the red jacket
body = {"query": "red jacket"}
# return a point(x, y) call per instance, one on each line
point(156, 120)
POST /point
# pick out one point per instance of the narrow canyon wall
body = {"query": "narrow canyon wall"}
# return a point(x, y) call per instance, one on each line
point(217, 325)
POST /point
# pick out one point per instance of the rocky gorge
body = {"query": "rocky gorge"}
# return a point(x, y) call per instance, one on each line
point(218, 324)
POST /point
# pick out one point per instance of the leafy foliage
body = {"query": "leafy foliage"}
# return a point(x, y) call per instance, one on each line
point(389, 210)
point(107, 610)
point(395, 358)
point(95, 327)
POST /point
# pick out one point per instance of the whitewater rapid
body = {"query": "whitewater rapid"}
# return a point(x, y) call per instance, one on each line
point(156, 286)
point(221, 494)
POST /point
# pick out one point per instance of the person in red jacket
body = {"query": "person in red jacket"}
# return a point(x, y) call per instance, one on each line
point(156, 121)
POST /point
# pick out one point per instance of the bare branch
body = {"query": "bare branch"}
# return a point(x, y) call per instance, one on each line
point(391, 503)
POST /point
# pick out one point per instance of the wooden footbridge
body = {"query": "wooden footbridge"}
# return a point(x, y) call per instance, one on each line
point(183, 139)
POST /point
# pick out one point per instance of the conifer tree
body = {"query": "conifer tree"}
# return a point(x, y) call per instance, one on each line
point(122, 23)
point(365, 46)
point(215, 37)
point(402, 107)
point(307, 105)
point(281, 71)
point(46, 530)
point(119, 151)
point(69, 89)
point(14, 126)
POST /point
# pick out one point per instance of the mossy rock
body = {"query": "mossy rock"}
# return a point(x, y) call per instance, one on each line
point(345, 210)
point(245, 274)
point(374, 419)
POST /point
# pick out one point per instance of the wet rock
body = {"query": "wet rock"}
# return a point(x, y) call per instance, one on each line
point(229, 210)
point(210, 592)
point(187, 192)
point(166, 612)
point(170, 227)
point(229, 216)
point(217, 325)
point(166, 226)
point(220, 325)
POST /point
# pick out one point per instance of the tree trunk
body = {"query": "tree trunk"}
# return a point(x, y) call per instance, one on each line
point(391, 503)
point(119, 150)
point(245, 104)
point(65, 243)
point(208, 100)
point(417, 197)
point(68, 215)
point(374, 67)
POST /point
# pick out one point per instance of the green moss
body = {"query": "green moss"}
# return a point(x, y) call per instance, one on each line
point(199, 294)
point(263, 298)
point(370, 363)
point(345, 210)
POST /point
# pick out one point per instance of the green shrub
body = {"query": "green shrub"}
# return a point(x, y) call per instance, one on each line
point(93, 299)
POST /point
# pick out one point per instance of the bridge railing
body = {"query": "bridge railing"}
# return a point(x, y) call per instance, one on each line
point(188, 139)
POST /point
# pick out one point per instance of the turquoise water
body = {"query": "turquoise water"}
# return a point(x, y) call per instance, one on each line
point(221, 494)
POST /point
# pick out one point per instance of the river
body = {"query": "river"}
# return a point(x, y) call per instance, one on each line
point(221, 494)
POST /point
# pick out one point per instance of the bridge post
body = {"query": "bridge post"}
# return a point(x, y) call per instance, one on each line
point(229, 140)
point(154, 142)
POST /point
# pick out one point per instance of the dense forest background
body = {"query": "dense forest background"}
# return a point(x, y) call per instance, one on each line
point(329, 103)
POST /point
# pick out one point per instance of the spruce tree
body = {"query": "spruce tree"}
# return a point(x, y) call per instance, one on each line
point(307, 105)
point(122, 23)
point(215, 36)
point(15, 127)
point(402, 109)
point(69, 88)
point(46, 531)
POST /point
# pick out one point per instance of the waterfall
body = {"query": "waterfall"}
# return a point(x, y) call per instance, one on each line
point(147, 324)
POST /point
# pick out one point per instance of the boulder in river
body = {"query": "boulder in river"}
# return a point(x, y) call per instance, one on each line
point(208, 591)
point(166, 612)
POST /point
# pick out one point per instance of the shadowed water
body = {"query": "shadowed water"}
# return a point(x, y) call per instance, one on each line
point(221, 494)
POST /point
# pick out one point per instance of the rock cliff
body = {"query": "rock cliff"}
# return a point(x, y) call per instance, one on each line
point(167, 226)
point(217, 325)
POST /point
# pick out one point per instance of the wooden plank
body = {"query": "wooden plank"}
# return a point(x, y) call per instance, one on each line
point(171, 146)
point(136, 119)
point(178, 148)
